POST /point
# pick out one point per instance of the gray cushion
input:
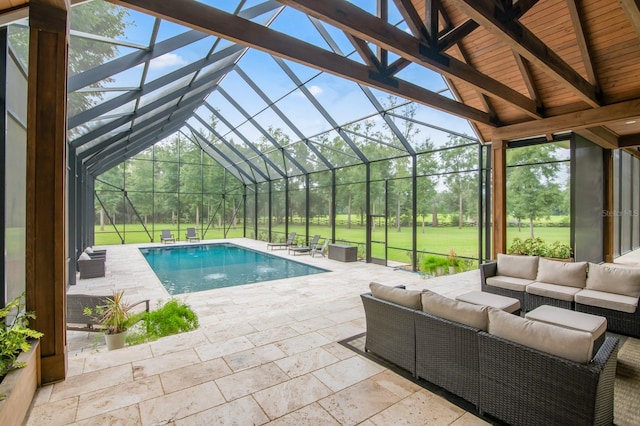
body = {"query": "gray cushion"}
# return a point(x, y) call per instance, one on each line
point(509, 283)
point(516, 266)
point(408, 298)
point(602, 299)
point(554, 291)
point(570, 344)
point(594, 324)
point(84, 256)
point(625, 281)
point(562, 273)
point(453, 310)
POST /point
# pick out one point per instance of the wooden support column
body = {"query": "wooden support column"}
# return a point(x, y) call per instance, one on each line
point(499, 197)
point(608, 207)
point(46, 181)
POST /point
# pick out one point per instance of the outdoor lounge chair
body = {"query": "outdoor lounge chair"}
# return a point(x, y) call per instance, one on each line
point(167, 237)
point(287, 244)
point(91, 267)
point(320, 249)
point(305, 249)
point(77, 320)
point(191, 235)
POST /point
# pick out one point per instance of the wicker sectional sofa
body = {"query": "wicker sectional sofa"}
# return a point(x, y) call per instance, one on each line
point(605, 290)
point(487, 357)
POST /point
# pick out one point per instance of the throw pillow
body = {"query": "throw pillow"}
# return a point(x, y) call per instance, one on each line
point(88, 250)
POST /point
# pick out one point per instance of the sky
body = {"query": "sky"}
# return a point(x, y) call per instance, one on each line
point(343, 100)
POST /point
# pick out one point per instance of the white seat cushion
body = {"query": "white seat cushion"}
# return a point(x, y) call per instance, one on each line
point(613, 301)
point(594, 324)
point(566, 343)
point(507, 304)
point(509, 283)
point(553, 291)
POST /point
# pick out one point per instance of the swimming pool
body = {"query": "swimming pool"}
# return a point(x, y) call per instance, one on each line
point(198, 267)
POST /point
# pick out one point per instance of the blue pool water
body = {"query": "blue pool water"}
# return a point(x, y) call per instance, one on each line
point(198, 267)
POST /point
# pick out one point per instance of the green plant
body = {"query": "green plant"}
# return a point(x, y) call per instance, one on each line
point(114, 315)
point(431, 263)
point(537, 247)
point(559, 250)
point(172, 317)
point(14, 337)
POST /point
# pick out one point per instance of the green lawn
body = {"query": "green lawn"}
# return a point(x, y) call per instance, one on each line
point(433, 240)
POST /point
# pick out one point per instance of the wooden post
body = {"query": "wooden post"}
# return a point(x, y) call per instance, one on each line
point(46, 266)
point(499, 197)
point(608, 207)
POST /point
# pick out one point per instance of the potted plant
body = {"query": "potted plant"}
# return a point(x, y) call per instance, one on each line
point(19, 359)
point(114, 316)
point(453, 261)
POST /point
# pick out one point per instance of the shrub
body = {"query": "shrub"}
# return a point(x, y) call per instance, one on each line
point(537, 247)
point(431, 262)
point(171, 318)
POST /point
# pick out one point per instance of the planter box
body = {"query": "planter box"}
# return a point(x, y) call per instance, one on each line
point(19, 387)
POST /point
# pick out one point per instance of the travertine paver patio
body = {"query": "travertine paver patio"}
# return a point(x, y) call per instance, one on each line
point(265, 353)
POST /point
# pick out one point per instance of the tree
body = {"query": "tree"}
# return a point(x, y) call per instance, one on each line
point(532, 188)
point(97, 17)
point(427, 166)
point(458, 161)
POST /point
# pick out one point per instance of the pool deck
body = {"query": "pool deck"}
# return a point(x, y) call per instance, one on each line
point(265, 353)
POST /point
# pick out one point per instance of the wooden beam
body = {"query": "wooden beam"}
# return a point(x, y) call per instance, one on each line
point(413, 20)
point(583, 43)
point(46, 248)
point(632, 9)
point(499, 197)
point(525, 71)
point(213, 21)
point(628, 141)
point(629, 110)
point(364, 51)
point(431, 19)
point(350, 18)
point(601, 136)
point(519, 39)
point(455, 35)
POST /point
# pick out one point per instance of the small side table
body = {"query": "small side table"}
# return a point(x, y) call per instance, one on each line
point(343, 253)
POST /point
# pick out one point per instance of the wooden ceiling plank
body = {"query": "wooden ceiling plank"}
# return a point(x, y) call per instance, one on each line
point(524, 42)
point(629, 110)
point(356, 21)
point(583, 43)
point(210, 20)
point(632, 10)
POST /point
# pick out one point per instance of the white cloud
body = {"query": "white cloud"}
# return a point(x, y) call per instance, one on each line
point(315, 90)
point(167, 60)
